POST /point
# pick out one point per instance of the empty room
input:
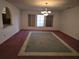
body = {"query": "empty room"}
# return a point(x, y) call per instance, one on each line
point(39, 29)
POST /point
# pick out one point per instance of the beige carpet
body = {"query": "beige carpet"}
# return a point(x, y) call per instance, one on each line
point(45, 44)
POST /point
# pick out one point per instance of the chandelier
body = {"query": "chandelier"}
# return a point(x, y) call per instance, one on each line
point(45, 12)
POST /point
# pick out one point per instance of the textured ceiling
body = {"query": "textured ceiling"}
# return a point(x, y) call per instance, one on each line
point(37, 5)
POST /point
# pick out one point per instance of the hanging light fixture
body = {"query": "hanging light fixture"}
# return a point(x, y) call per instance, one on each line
point(4, 11)
point(45, 12)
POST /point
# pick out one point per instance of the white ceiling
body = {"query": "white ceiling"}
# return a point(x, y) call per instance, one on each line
point(37, 5)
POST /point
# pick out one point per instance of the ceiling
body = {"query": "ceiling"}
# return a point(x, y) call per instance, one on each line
point(37, 5)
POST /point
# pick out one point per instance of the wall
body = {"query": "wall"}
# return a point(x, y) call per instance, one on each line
point(24, 21)
point(57, 20)
point(2, 4)
point(8, 31)
point(70, 22)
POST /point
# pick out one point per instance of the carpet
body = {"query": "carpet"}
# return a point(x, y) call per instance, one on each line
point(45, 44)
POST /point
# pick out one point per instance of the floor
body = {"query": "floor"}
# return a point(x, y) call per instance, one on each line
point(10, 48)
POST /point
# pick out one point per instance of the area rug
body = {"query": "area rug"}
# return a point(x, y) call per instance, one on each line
point(45, 44)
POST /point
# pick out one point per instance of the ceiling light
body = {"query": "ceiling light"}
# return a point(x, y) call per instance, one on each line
point(45, 12)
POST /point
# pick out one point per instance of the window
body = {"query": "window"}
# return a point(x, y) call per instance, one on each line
point(40, 20)
point(6, 17)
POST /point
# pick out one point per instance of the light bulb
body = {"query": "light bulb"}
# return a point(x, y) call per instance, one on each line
point(45, 14)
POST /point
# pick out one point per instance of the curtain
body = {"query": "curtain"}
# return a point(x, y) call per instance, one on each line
point(49, 21)
point(31, 20)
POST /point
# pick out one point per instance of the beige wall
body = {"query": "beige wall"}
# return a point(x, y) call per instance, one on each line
point(56, 20)
point(7, 32)
point(2, 4)
point(70, 22)
point(24, 21)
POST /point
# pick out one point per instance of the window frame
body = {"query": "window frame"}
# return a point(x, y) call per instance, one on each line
point(44, 21)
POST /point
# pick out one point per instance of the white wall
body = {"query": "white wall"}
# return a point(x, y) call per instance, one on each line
point(7, 32)
point(70, 22)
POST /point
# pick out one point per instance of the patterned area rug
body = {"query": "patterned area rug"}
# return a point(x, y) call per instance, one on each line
point(45, 44)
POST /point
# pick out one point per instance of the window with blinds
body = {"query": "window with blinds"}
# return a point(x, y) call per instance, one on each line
point(40, 20)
